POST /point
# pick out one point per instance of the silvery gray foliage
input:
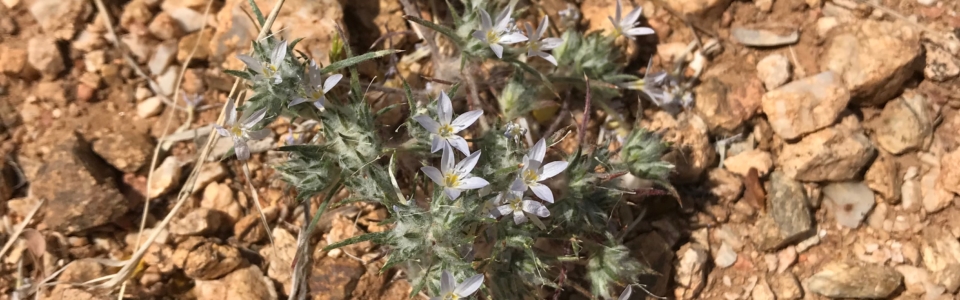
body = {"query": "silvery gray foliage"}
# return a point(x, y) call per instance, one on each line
point(477, 219)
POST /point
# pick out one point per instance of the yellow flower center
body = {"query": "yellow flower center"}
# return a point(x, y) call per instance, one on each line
point(236, 130)
point(530, 176)
point(316, 94)
point(492, 37)
point(534, 46)
point(445, 130)
point(515, 203)
point(269, 70)
point(450, 296)
point(451, 180)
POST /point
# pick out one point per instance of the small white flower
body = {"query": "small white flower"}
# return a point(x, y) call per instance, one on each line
point(242, 131)
point(628, 26)
point(532, 174)
point(536, 46)
point(490, 207)
point(315, 88)
point(270, 69)
point(626, 293)
point(445, 131)
point(450, 290)
point(514, 131)
point(513, 203)
point(496, 35)
point(665, 90)
point(455, 178)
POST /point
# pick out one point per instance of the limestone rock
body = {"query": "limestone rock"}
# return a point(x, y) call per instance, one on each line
point(939, 249)
point(941, 65)
point(219, 197)
point(725, 185)
point(831, 154)
point(690, 277)
point(741, 163)
point(935, 195)
point(805, 105)
point(199, 221)
point(165, 27)
point(787, 207)
point(786, 286)
point(126, 150)
point(851, 202)
point(13, 60)
point(78, 186)
point(726, 257)
point(244, 283)
point(950, 171)
point(692, 153)
point(903, 124)
point(883, 178)
point(774, 71)
point(165, 178)
point(845, 280)
point(874, 58)
point(61, 19)
point(207, 261)
point(44, 56)
point(725, 108)
point(150, 107)
point(281, 256)
point(334, 279)
point(162, 57)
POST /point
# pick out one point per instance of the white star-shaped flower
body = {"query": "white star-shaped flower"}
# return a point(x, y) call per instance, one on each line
point(536, 46)
point(628, 26)
point(315, 88)
point(514, 204)
point(496, 35)
point(242, 131)
point(455, 178)
point(269, 70)
point(450, 290)
point(444, 130)
point(532, 173)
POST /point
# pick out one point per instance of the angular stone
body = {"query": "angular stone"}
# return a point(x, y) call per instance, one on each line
point(150, 107)
point(786, 286)
point(725, 108)
point(186, 45)
point(725, 185)
point(939, 249)
point(78, 186)
point(207, 261)
point(774, 70)
point(805, 105)
point(126, 150)
point(162, 57)
point(244, 283)
point(61, 19)
point(846, 280)
point(334, 279)
point(690, 277)
point(831, 154)
point(903, 124)
point(13, 60)
point(692, 152)
point(741, 163)
point(883, 178)
point(725, 257)
point(199, 221)
point(787, 206)
point(219, 197)
point(950, 171)
point(165, 27)
point(165, 178)
point(874, 58)
point(44, 56)
point(281, 256)
point(949, 277)
point(851, 202)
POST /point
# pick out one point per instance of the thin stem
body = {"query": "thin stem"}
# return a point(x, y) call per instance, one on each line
point(256, 201)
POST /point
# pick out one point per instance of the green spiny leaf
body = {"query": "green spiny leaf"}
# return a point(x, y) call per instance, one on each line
point(240, 74)
point(373, 236)
point(446, 31)
point(257, 12)
point(355, 60)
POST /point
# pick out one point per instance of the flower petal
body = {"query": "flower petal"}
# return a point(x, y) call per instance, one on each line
point(497, 50)
point(469, 286)
point(638, 31)
point(252, 63)
point(548, 57)
point(466, 165)
point(632, 17)
point(221, 131)
point(485, 22)
point(543, 27)
point(278, 54)
point(503, 19)
point(231, 113)
point(518, 185)
point(543, 192)
point(437, 144)
point(297, 101)
point(550, 43)
point(433, 173)
point(428, 123)
point(535, 208)
point(444, 108)
point(532, 32)
point(319, 103)
point(512, 38)
point(626, 293)
point(552, 169)
point(446, 160)
point(447, 283)
point(504, 210)
point(619, 11)
point(259, 134)
point(471, 183)
point(331, 82)
point(466, 119)
point(254, 118)
point(241, 149)
point(459, 143)
point(519, 217)
point(538, 150)
point(480, 35)
point(532, 165)
point(453, 194)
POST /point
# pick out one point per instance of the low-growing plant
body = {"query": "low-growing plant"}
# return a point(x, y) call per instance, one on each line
point(504, 217)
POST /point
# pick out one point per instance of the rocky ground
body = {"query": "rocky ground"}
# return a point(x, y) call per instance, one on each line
point(821, 159)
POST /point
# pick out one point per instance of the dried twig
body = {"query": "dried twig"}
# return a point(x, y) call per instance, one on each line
point(586, 114)
point(16, 233)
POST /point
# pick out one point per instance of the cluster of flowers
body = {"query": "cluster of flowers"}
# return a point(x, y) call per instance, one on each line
point(313, 89)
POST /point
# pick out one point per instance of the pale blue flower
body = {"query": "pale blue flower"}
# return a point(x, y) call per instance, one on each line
point(497, 34)
point(454, 178)
point(315, 88)
point(519, 208)
point(627, 26)
point(242, 131)
point(536, 46)
point(445, 129)
point(267, 70)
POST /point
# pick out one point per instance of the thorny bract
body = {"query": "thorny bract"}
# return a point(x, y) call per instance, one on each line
point(505, 218)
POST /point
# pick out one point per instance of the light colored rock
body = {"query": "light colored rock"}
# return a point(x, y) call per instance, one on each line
point(935, 196)
point(903, 124)
point(910, 190)
point(188, 19)
point(725, 108)
point(126, 150)
point(874, 59)
point(135, 16)
point(703, 9)
point(141, 47)
point(762, 291)
point(244, 283)
point(883, 178)
point(805, 105)
point(807, 243)
point(219, 197)
point(764, 38)
point(150, 107)
point(949, 278)
point(786, 258)
point(142, 93)
point(725, 185)
point(939, 249)
point(209, 173)
point(851, 201)
point(200, 221)
point(927, 2)
point(831, 154)
point(941, 65)
point(281, 256)
point(878, 216)
point(764, 5)
point(692, 153)
point(44, 56)
point(162, 57)
point(187, 43)
point(165, 178)
point(950, 171)
point(88, 40)
point(774, 70)
point(741, 164)
point(60, 19)
point(690, 277)
point(13, 60)
point(847, 280)
point(914, 278)
point(786, 286)
point(168, 80)
point(790, 219)
point(726, 257)
point(825, 24)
